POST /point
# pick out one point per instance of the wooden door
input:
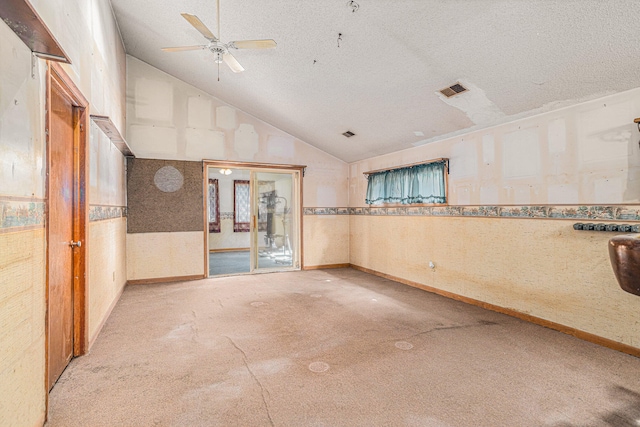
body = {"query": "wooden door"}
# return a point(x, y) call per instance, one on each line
point(60, 233)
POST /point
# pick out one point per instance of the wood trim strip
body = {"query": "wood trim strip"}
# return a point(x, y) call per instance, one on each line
point(212, 251)
point(80, 227)
point(27, 24)
point(205, 218)
point(92, 340)
point(300, 243)
point(249, 165)
point(586, 336)
point(74, 94)
point(166, 279)
point(109, 128)
point(326, 266)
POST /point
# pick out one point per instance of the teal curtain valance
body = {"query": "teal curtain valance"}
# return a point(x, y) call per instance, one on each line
point(414, 184)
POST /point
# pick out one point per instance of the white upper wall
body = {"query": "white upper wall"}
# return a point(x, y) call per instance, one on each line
point(88, 32)
point(585, 154)
point(170, 119)
point(98, 69)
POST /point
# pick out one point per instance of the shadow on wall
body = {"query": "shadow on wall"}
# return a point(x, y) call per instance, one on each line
point(628, 412)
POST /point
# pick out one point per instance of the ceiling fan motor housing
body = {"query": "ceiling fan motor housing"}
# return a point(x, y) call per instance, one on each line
point(219, 50)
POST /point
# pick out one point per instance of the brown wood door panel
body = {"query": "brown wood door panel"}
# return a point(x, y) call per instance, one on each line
point(60, 233)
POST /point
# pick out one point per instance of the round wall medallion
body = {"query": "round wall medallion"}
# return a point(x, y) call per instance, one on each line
point(168, 179)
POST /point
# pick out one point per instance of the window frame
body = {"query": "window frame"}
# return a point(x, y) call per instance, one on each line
point(215, 225)
point(443, 160)
point(240, 227)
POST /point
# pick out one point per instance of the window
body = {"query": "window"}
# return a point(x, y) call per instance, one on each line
point(241, 212)
point(424, 184)
point(214, 207)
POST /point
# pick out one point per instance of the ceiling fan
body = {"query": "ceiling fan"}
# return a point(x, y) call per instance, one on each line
point(218, 48)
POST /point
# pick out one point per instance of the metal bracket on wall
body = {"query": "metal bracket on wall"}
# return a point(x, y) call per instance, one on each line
point(23, 19)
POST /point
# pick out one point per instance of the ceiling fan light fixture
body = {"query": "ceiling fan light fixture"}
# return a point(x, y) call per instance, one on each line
point(219, 49)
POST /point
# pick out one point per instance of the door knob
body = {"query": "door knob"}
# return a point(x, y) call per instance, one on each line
point(75, 244)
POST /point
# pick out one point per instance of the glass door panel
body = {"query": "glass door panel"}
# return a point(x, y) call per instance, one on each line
point(275, 233)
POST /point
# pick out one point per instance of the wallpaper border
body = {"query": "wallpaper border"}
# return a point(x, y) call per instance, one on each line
point(17, 213)
point(104, 212)
point(612, 212)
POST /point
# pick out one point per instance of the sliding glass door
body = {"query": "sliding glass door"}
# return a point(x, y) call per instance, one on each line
point(252, 219)
point(275, 220)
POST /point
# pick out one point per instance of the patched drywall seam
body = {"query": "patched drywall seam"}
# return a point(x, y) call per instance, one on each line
point(475, 104)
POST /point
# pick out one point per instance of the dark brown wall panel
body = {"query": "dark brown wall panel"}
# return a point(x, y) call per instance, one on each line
point(164, 196)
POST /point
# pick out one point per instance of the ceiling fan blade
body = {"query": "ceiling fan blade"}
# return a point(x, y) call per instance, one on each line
point(231, 61)
point(198, 25)
point(183, 48)
point(253, 44)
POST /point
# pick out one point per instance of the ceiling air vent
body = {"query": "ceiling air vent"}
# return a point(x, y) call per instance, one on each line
point(348, 134)
point(453, 90)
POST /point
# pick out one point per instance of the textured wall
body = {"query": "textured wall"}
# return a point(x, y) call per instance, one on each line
point(326, 240)
point(172, 203)
point(107, 269)
point(169, 119)
point(585, 154)
point(162, 255)
point(88, 33)
point(22, 338)
point(229, 239)
point(535, 266)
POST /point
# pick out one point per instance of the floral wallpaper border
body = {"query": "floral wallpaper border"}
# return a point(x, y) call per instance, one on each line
point(102, 212)
point(620, 213)
point(16, 213)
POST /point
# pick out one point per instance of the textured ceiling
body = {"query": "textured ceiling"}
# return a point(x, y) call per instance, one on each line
point(517, 56)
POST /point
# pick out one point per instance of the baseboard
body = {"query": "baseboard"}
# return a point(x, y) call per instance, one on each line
point(104, 319)
point(211, 251)
point(165, 279)
point(586, 336)
point(325, 266)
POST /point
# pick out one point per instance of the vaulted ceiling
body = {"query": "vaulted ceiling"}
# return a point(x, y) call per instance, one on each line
point(381, 80)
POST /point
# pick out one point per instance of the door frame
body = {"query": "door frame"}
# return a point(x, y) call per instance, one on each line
point(222, 164)
point(58, 77)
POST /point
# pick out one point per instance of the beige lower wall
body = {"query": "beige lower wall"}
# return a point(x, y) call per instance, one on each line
point(160, 255)
point(539, 267)
point(326, 240)
point(107, 269)
point(227, 238)
point(22, 328)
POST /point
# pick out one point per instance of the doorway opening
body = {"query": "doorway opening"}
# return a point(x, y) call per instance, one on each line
point(66, 222)
point(253, 218)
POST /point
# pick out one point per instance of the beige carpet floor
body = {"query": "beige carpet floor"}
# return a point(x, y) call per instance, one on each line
point(334, 348)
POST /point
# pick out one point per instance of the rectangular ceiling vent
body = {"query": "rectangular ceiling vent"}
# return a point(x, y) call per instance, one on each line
point(453, 90)
point(348, 134)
